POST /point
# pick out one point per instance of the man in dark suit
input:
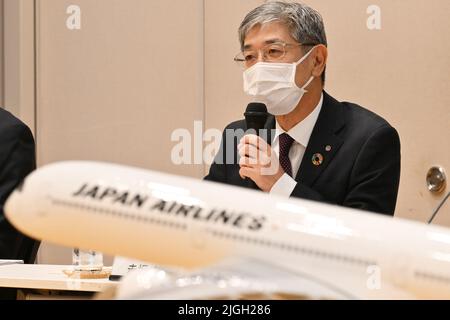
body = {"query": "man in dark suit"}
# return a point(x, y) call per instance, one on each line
point(316, 147)
point(17, 160)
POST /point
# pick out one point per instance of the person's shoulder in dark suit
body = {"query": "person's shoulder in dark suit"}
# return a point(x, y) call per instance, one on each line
point(17, 160)
point(372, 147)
point(363, 121)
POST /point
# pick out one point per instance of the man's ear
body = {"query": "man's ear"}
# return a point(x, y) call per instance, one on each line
point(320, 60)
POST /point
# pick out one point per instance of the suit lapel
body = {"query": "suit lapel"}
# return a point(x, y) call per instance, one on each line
point(324, 142)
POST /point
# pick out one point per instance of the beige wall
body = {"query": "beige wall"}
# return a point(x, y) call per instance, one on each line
point(19, 55)
point(138, 69)
point(225, 100)
point(400, 73)
point(117, 88)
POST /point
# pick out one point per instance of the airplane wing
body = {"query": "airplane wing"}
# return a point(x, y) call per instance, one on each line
point(234, 279)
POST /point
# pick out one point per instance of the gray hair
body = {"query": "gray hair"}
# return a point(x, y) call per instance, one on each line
point(305, 24)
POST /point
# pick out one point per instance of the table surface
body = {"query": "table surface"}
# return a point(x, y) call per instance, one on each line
point(48, 277)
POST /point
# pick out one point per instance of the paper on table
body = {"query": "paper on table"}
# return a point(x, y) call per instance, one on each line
point(122, 266)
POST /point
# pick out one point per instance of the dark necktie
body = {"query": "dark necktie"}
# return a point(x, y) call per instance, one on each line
point(286, 142)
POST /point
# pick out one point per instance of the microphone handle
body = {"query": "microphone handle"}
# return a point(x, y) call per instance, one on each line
point(249, 182)
point(438, 208)
point(255, 121)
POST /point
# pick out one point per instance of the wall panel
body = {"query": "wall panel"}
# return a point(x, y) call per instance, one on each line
point(19, 57)
point(116, 88)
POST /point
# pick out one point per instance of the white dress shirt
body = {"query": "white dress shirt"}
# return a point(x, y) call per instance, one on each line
point(301, 133)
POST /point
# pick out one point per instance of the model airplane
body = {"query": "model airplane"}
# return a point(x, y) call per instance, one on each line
point(293, 245)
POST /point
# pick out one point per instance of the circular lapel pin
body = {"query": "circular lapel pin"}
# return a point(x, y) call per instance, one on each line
point(328, 148)
point(317, 159)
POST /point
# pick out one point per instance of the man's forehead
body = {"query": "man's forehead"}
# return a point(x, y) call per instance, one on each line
point(266, 34)
point(249, 45)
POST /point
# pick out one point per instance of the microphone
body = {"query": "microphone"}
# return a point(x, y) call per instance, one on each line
point(255, 118)
point(438, 208)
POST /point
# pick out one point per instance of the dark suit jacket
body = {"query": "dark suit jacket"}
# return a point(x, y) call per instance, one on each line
point(362, 169)
point(17, 160)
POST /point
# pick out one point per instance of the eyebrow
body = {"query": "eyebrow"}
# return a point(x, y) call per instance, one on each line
point(270, 41)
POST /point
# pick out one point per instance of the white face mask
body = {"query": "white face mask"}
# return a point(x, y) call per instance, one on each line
point(274, 85)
